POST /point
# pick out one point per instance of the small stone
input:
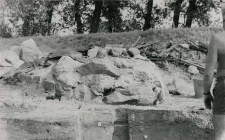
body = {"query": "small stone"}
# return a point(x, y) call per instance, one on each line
point(132, 116)
point(102, 53)
point(116, 52)
point(93, 52)
point(125, 53)
point(193, 70)
point(133, 52)
point(49, 86)
point(99, 124)
point(145, 136)
point(186, 46)
point(140, 57)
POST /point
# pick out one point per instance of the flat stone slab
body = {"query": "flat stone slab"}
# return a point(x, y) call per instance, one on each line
point(71, 125)
point(169, 125)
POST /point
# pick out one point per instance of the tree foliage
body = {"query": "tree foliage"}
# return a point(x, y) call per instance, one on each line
point(48, 17)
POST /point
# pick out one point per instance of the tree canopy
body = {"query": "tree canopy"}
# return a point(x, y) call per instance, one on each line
point(48, 17)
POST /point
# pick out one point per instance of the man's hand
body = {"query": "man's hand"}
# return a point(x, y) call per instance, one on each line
point(208, 101)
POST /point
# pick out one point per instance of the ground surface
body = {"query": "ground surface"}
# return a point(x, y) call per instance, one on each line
point(26, 114)
point(79, 42)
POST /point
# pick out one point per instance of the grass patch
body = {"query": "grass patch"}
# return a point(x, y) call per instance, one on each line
point(80, 42)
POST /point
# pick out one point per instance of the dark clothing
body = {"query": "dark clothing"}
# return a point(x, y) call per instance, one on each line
point(219, 96)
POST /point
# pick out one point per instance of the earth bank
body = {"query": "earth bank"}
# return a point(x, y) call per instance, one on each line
point(106, 93)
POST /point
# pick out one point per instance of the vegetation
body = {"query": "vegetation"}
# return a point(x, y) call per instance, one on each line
point(81, 41)
point(35, 17)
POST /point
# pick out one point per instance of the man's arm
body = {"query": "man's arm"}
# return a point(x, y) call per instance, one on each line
point(211, 61)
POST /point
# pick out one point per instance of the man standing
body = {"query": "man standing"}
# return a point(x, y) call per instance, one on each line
point(216, 53)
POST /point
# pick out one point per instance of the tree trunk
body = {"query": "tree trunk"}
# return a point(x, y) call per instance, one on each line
point(192, 8)
point(148, 15)
point(96, 16)
point(49, 16)
point(176, 16)
point(26, 27)
point(78, 17)
point(111, 17)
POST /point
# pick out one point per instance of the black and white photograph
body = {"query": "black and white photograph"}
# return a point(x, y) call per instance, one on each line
point(112, 70)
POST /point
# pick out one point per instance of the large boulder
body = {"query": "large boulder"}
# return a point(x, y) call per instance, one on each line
point(28, 74)
point(138, 72)
point(99, 83)
point(126, 80)
point(117, 97)
point(139, 95)
point(9, 58)
point(123, 63)
point(64, 71)
point(99, 66)
point(4, 70)
point(148, 73)
point(16, 49)
point(29, 51)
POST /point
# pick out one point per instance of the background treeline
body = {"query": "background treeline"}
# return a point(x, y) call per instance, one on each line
point(49, 17)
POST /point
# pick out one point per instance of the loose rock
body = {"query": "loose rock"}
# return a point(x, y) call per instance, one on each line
point(193, 70)
point(59, 54)
point(83, 93)
point(62, 89)
point(16, 49)
point(49, 84)
point(116, 52)
point(118, 98)
point(100, 66)
point(102, 53)
point(99, 83)
point(133, 52)
point(139, 95)
point(123, 63)
point(93, 52)
point(64, 71)
point(9, 58)
point(186, 46)
point(30, 52)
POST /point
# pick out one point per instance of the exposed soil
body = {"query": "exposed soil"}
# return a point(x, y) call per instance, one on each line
point(26, 114)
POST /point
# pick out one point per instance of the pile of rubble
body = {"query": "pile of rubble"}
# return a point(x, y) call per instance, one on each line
point(188, 53)
point(113, 75)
